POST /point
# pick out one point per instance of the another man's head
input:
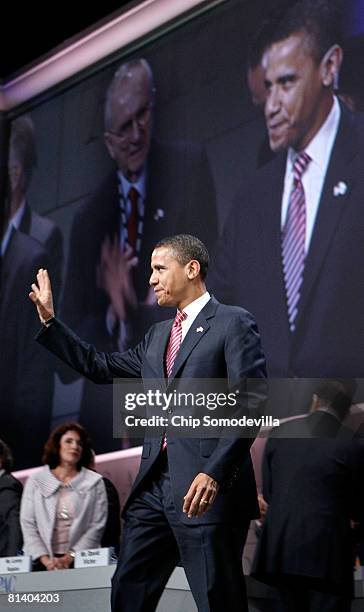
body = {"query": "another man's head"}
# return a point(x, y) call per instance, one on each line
point(302, 61)
point(6, 458)
point(334, 393)
point(22, 156)
point(129, 117)
point(255, 72)
point(179, 267)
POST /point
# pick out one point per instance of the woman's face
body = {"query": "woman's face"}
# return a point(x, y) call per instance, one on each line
point(70, 448)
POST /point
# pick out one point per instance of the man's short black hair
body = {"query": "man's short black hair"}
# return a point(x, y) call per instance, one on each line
point(319, 19)
point(337, 393)
point(185, 248)
point(6, 458)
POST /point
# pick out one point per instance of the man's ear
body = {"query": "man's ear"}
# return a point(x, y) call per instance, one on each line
point(315, 403)
point(109, 144)
point(330, 66)
point(193, 269)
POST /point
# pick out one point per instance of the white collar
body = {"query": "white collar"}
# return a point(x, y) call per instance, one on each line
point(139, 185)
point(195, 307)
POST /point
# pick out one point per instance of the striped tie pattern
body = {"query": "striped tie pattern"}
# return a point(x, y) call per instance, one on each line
point(293, 240)
point(175, 340)
point(174, 343)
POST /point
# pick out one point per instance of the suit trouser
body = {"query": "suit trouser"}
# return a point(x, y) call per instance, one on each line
point(155, 541)
point(298, 599)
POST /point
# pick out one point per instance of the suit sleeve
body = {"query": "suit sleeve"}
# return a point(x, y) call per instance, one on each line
point(246, 371)
point(95, 365)
point(10, 505)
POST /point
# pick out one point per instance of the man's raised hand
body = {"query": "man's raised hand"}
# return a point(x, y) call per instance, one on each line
point(41, 296)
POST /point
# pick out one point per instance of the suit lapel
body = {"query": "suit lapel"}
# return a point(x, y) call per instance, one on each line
point(25, 221)
point(193, 336)
point(270, 193)
point(331, 207)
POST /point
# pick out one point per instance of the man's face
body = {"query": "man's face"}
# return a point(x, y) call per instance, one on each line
point(169, 278)
point(128, 138)
point(296, 104)
point(16, 173)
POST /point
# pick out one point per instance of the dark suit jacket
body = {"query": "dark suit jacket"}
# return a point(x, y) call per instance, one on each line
point(313, 474)
point(111, 535)
point(228, 347)
point(49, 235)
point(26, 380)
point(329, 336)
point(11, 539)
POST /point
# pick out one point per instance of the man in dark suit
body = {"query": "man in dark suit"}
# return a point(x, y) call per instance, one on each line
point(21, 163)
point(26, 381)
point(309, 310)
point(193, 498)
point(11, 539)
point(313, 472)
point(157, 189)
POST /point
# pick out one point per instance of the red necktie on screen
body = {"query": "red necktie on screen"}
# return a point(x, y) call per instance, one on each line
point(174, 343)
point(133, 196)
point(175, 340)
point(293, 240)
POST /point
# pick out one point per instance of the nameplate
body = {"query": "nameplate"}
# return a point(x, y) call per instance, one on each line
point(92, 557)
point(15, 565)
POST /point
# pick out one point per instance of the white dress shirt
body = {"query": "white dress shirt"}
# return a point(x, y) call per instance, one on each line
point(192, 310)
point(319, 150)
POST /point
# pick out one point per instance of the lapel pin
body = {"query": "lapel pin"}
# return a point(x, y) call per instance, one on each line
point(199, 329)
point(159, 214)
point(340, 189)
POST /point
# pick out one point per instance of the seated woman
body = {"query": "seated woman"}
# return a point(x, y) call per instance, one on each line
point(10, 495)
point(64, 506)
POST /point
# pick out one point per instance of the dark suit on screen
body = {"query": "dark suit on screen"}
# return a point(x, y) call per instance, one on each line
point(313, 474)
point(26, 380)
point(49, 235)
point(180, 197)
point(228, 347)
point(11, 539)
point(329, 336)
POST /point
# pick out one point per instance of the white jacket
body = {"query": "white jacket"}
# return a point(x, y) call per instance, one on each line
point(38, 511)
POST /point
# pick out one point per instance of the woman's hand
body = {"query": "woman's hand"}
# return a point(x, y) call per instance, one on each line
point(48, 562)
point(64, 562)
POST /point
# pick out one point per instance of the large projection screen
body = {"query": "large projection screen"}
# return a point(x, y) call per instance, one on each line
point(199, 143)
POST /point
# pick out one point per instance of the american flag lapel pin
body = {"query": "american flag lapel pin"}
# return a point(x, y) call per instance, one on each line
point(340, 189)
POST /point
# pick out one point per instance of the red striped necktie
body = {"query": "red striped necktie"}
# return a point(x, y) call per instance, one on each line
point(175, 340)
point(174, 343)
point(293, 240)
